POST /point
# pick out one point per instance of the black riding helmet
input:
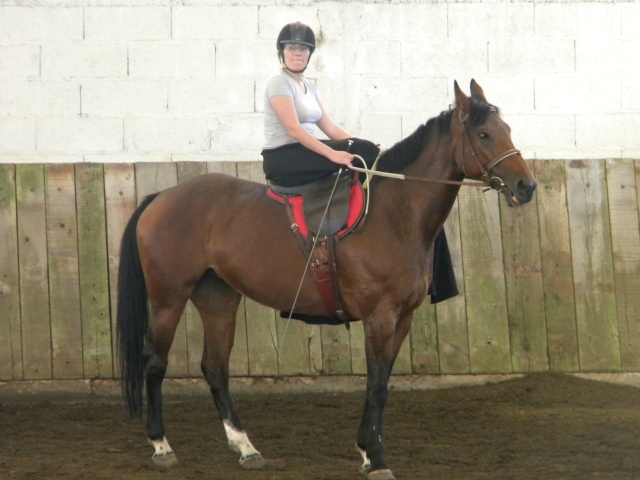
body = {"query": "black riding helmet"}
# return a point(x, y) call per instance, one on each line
point(295, 33)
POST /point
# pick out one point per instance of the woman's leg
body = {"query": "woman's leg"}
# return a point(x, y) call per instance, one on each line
point(294, 164)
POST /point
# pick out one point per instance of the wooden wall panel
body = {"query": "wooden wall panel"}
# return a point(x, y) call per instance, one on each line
point(489, 346)
point(35, 321)
point(120, 202)
point(64, 275)
point(453, 334)
point(10, 338)
point(97, 344)
point(552, 285)
point(598, 335)
point(525, 295)
point(625, 239)
point(557, 267)
point(423, 339)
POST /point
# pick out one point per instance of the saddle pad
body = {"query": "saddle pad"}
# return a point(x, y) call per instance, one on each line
point(296, 202)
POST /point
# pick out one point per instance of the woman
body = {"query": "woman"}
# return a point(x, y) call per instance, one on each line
point(292, 109)
point(293, 156)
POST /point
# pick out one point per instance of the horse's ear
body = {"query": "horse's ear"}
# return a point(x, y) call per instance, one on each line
point(477, 92)
point(462, 101)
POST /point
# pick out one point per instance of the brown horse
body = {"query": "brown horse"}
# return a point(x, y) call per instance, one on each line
point(198, 241)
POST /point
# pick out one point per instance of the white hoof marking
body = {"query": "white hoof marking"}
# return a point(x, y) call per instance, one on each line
point(366, 463)
point(238, 440)
point(164, 455)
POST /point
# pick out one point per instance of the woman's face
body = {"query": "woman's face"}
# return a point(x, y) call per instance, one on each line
point(296, 56)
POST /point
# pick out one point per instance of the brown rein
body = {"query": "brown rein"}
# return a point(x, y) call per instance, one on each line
point(488, 183)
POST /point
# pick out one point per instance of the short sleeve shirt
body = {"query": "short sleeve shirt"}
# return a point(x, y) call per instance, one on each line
point(306, 105)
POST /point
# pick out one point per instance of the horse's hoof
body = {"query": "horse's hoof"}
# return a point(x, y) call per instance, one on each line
point(165, 460)
point(384, 474)
point(252, 462)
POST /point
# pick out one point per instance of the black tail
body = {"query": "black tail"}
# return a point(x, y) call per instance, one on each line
point(133, 314)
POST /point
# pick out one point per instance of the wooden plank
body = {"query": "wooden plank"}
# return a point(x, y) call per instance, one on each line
point(596, 314)
point(189, 170)
point(297, 355)
point(10, 340)
point(239, 361)
point(120, 202)
point(625, 239)
point(557, 267)
point(152, 178)
point(34, 285)
point(94, 271)
point(64, 276)
point(482, 260)
point(525, 294)
point(336, 350)
point(453, 335)
point(228, 168)
point(358, 354)
point(261, 327)
point(423, 340)
point(191, 318)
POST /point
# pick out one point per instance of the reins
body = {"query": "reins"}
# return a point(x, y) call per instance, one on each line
point(488, 182)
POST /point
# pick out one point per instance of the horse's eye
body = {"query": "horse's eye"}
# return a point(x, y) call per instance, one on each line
point(484, 136)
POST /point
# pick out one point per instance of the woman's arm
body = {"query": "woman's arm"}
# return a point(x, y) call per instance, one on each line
point(285, 111)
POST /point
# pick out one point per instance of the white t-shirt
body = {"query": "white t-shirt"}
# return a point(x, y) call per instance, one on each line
point(306, 105)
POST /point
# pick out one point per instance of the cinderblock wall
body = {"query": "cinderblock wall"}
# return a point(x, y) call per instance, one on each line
point(169, 80)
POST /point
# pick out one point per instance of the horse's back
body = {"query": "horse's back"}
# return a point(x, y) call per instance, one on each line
point(199, 197)
point(209, 219)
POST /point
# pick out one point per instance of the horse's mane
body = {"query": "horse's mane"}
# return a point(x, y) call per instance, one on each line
point(407, 150)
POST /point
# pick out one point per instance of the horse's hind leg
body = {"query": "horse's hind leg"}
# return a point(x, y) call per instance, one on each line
point(217, 304)
point(162, 328)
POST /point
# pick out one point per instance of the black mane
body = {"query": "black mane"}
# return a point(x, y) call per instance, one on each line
point(407, 151)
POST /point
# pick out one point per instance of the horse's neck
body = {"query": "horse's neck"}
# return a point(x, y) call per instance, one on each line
point(430, 203)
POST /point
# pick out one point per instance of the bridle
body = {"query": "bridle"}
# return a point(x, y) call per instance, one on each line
point(487, 181)
point(491, 182)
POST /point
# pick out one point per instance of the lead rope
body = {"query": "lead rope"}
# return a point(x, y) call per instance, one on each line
point(306, 268)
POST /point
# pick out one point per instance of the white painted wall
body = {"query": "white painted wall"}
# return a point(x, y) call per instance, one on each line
point(172, 80)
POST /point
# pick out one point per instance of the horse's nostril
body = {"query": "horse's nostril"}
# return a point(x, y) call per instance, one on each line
point(526, 188)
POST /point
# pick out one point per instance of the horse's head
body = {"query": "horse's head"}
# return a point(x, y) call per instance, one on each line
point(487, 152)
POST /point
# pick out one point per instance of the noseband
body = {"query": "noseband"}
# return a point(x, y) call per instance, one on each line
point(492, 183)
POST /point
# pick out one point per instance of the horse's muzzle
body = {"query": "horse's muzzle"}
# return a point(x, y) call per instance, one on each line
point(523, 192)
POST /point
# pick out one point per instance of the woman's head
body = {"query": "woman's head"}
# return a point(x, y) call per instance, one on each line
point(296, 43)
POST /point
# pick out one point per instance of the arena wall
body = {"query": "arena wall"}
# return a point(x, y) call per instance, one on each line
point(104, 101)
point(166, 80)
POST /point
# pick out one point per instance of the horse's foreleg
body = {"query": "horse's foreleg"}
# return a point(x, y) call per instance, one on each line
point(164, 321)
point(218, 304)
point(383, 340)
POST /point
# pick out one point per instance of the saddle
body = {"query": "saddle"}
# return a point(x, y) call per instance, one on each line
point(306, 206)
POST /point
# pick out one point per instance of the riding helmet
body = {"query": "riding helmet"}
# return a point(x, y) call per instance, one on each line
point(296, 33)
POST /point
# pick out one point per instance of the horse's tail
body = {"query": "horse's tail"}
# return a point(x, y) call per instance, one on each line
point(133, 314)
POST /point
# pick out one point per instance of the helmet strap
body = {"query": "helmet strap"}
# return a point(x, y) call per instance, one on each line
point(284, 65)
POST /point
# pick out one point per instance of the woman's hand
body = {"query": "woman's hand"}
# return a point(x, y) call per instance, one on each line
point(340, 157)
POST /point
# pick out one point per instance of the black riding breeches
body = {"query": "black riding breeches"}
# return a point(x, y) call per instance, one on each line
point(293, 164)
